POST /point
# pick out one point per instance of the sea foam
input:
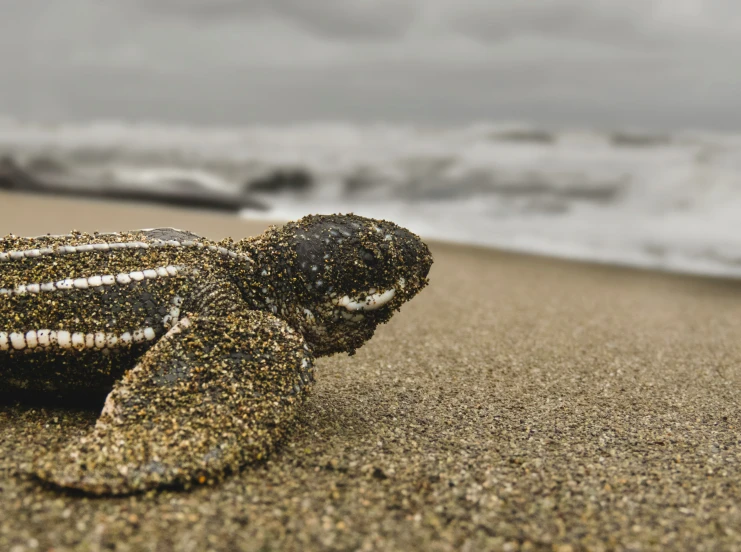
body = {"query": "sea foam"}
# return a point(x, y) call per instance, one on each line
point(669, 201)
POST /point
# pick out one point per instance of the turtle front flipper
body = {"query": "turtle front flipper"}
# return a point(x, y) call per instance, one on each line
point(215, 393)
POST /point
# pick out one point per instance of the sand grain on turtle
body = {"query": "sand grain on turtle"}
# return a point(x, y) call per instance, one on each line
point(205, 349)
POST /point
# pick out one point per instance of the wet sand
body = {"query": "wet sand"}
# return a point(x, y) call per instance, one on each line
point(517, 403)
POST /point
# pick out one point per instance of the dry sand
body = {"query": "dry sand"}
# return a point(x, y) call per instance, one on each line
point(518, 403)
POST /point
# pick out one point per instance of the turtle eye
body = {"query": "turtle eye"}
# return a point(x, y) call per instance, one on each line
point(368, 257)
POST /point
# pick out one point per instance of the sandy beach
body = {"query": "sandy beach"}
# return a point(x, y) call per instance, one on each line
point(519, 403)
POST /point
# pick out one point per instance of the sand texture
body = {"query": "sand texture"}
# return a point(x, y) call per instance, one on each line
point(517, 403)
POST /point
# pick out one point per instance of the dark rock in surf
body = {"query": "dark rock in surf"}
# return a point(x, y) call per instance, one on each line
point(282, 180)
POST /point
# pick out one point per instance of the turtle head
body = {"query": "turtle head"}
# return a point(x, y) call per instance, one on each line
point(350, 274)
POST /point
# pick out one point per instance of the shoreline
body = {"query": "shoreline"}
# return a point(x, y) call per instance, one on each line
point(217, 225)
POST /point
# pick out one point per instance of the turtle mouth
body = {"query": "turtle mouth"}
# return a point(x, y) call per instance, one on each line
point(373, 299)
point(370, 301)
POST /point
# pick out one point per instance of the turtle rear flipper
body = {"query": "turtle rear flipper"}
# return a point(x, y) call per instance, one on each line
point(215, 393)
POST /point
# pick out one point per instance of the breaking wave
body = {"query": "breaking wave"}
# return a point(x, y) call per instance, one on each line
point(669, 201)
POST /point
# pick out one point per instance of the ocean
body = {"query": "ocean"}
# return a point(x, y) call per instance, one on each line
point(670, 201)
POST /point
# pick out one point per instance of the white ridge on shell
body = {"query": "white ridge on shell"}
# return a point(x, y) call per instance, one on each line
point(44, 338)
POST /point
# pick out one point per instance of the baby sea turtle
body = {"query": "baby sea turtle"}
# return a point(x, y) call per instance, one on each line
point(206, 348)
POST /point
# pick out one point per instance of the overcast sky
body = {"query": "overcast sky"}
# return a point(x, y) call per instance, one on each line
point(624, 63)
